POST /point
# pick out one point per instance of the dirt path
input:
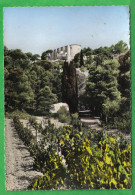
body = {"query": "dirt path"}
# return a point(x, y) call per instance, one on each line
point(18, 163)
point(94, 123)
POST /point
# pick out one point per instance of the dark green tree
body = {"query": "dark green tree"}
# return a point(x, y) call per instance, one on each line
point(46, 54)
point(69, 87)
point(29, 55)
point(81, 59)
point(87, 51)
point(124, 81)
point(45, 100)
point(35, 57)
point(120, 47)
point(102, 87)
point(45, 64)
point(17, 54)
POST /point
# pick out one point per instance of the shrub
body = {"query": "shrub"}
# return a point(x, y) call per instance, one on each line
point(54, 173)
point(104, 166)
point(63, 115)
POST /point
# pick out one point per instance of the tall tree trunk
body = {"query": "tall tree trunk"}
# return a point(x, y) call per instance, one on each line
point(69, 87)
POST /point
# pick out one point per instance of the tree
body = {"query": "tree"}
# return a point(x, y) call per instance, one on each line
point(18, 94)
point(89, 59)
point(7, 61)
point(45, 100)
point(87, 51)
point(125, 89)
point(35, 57)
point(99, 59)
point(69, 87)
point(6, 51)
point(120, 47)
point(29, 55)
point(44, 63)
point(124, 76)
point(81, 59)
point(102, 87)
point(45, 54)
point(57, 84)
point(17, 54)
point(77, 58)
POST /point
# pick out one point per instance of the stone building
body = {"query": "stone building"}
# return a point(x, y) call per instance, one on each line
point(65, 53)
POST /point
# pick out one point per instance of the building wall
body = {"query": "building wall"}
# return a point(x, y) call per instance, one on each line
point(65, 53)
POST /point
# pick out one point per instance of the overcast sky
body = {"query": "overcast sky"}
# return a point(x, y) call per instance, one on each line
point(41, 28)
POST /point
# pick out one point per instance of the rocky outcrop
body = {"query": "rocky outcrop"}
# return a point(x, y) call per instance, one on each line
point(81, 81)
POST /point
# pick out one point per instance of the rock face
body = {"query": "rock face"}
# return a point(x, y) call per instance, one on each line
point(69, 87)
point(81, 81)
point(57, 106)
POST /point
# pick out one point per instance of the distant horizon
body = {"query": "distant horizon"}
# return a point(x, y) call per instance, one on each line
point(37, 29)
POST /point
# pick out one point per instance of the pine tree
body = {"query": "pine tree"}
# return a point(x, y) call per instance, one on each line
point(45, 100)
point(102, 87)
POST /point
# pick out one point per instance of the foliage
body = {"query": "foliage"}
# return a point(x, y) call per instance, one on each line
point(35, 125)
point(25, 77)
point(83, 68)
point(45, 100)
point(101, 166)
point(24, 133)
point(102, 87)
point(81, 59)
point(63, 115)
point(35, 57)
point(46, 54)
point(19, 114)
point(104, 165)
point(75, 120)
point(54, 175)
point(120, 47)
point(69, 87)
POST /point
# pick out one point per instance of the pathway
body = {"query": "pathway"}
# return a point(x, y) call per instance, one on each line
point(18, 162)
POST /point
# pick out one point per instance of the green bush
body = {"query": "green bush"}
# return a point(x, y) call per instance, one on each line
point(83, 69)
point(63, 115)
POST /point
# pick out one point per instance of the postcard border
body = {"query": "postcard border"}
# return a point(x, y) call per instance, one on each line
point(35, 3)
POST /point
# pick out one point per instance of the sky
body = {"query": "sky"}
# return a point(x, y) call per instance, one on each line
point(37, 29)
